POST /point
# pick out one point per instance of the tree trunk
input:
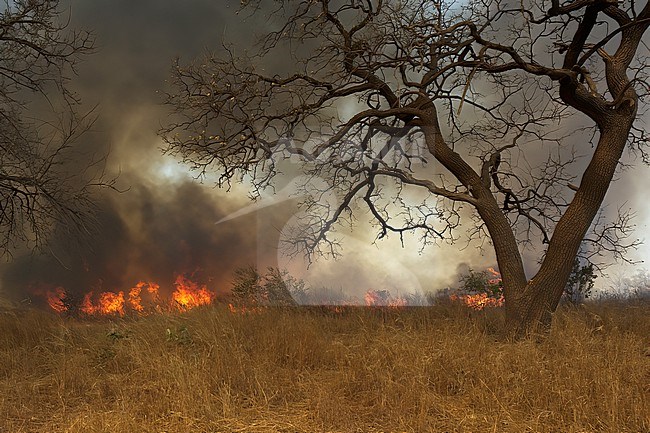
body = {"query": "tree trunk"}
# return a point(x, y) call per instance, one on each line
point(529, 311)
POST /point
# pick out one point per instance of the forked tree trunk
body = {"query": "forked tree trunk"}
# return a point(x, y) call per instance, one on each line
point(531, 312)
point(529, 309)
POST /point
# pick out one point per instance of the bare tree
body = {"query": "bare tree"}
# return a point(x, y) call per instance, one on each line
point(516, 113)
point(40, 188)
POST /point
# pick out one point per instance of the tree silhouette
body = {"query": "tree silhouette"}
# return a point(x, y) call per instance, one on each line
point(514, 115)
point(39, 123)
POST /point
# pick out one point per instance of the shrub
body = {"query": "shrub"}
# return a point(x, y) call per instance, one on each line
point(275, 287)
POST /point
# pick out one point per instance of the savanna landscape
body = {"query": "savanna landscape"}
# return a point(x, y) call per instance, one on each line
point(443, 368)
point(455, 191)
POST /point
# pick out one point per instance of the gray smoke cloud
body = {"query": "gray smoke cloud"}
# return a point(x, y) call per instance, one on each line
point(149, 235)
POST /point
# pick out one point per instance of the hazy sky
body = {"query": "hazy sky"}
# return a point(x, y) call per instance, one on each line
point(165, 223)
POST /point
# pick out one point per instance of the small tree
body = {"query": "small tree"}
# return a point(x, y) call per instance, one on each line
point(246, 285)
point(275, 287)
point(281, 288)
point(580, 283)
point(482, 282)
point(480, 289)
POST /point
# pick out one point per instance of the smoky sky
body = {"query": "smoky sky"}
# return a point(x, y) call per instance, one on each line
point(161, 222)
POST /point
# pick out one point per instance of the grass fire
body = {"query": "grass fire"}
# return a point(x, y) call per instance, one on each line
point(142, 298)
point(146, 297)
point(314, 369)
point(385, 152)
point(257, 363)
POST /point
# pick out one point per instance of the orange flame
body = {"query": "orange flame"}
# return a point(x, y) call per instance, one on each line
point(383, 298)
point(111, 303)
point(135, 297)
point(372, 298)
point(188, 294)
point(496, 276)
point(142, 298)
point(55, 299)
point(480, 301)
point(135, 301)
point(108, 303)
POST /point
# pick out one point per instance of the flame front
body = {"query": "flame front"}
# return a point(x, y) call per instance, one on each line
point(383, 298)
point(135, 295)
point(480, 301)
point(108, 303)
point(142, 298)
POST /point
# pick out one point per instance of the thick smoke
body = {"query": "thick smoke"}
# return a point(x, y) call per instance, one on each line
point(163, 224)
point(150, 234)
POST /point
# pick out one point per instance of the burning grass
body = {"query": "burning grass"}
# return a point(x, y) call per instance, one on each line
point(143, 298)
point(342, 369)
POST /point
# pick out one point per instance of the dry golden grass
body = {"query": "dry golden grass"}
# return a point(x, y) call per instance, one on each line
point(437, 369)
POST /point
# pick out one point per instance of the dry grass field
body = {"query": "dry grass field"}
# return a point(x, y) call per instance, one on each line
point(438, 369)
